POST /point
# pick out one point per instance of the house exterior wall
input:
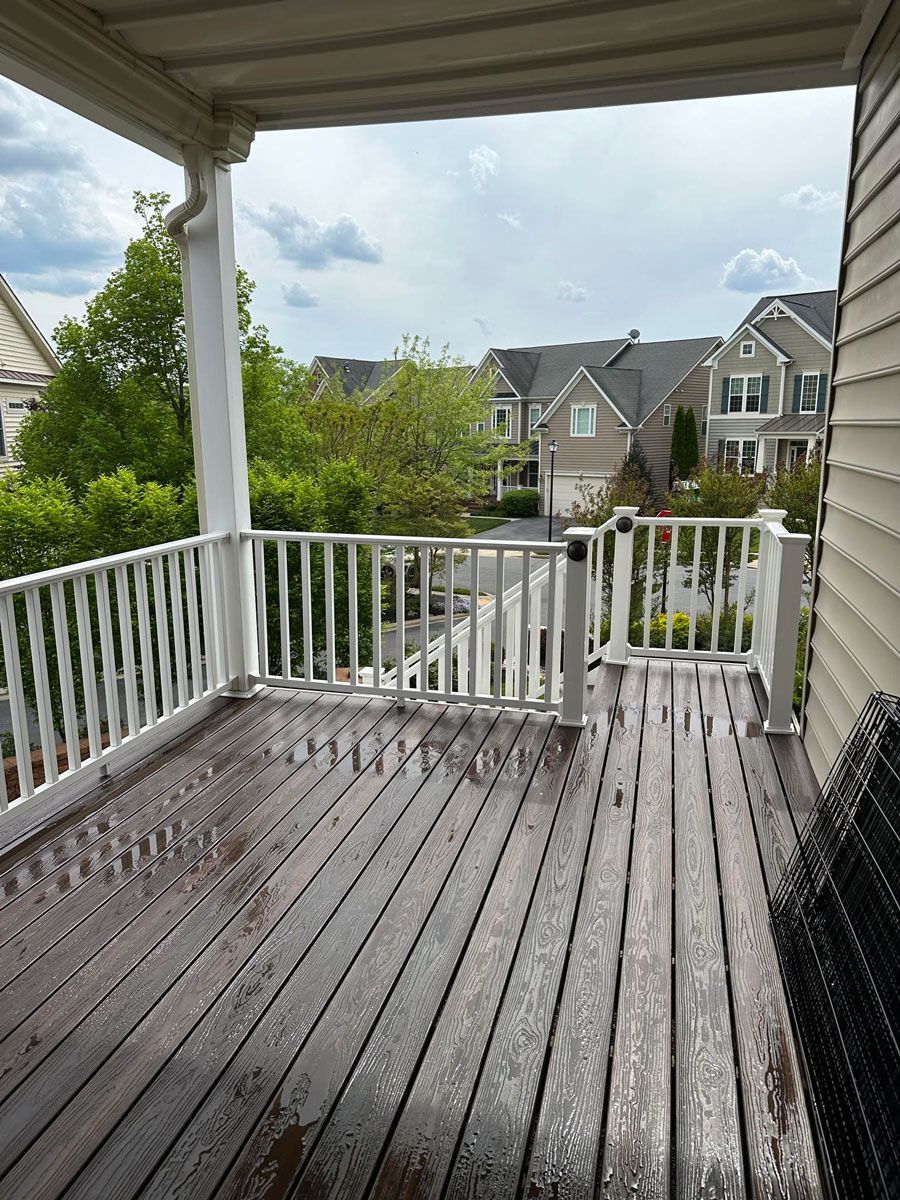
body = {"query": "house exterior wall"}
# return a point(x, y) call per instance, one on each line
point(593, 457)
point(807, 352)
point(734, 425)
point(854, 646)
point(17, 350)
point(656, 437)
point(12, 415)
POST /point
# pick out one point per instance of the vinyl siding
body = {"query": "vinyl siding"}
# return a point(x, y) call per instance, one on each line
point(734, 426)
point(12, 418)
point(656, 438)
point(17, 351)
point(855, 626)
point(599, 454)
point(807, 353)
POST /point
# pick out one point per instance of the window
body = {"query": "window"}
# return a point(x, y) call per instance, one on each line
point(748, 349)
point(667, 414)
point(15, 405)
point(532, 474)
point(584, 420)
point(740, 455)
point(703, 424)
point(809, 391)
point(534, 416)
point(480, 426)
point(503, 421)
point(745, 393)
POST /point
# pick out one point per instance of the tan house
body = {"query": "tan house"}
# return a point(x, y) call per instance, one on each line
point(27, 364)
point(769, 381)
point(595, 398)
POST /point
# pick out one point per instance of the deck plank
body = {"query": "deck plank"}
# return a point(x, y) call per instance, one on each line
point(636, 1155)
point(430, 831)
point(346, 835)
point(423, 1143)
point(780, 1147)
point(800, 784)
point(708, 1154)
point(564, 1151)
point(431, 935)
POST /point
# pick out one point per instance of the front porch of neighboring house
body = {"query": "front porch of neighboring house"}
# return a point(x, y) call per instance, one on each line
point(784, 441)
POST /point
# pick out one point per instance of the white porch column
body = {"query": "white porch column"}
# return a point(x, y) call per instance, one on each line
point(217, 403)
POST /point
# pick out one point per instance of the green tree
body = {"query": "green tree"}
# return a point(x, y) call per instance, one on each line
point(635, 468)
point(39, 526)
point(797, 492)
point(690, 455)
point(678, 443)
point(119, 513)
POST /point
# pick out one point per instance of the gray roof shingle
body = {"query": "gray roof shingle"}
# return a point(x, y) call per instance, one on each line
point(815, 308)
point(359, 373)
point(551, 367)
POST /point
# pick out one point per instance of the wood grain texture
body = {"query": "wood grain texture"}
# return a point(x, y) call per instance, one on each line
point(708, 1154)
point(423, 1143)
point(774, 827)
point(564, 1151)
point(432, 931)
point(303, 754)
point(800, 784)
point(636, 1154)
point(780, 1151)
point(348, 1149)
point(334, 820)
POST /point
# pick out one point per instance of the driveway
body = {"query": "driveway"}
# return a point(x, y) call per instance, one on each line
point(521, 529)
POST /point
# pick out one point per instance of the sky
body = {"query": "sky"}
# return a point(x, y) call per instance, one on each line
point(505, 231)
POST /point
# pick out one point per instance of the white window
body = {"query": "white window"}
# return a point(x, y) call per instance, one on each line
point(809, 391)
point(740, 455)
point(15, 405)
point(534, 416)
point(584, 420)
point(703, 423)
point(479, 426)
point(503, 421)
point(745, 393)
point(532, 474)
point(667, 414)
point(748, 349)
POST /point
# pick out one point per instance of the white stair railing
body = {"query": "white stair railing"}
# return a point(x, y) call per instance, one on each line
point(97, 653)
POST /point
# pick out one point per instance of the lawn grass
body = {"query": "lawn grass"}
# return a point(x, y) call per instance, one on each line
point(480, 524)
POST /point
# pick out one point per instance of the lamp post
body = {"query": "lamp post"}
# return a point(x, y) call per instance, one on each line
point(552, 448)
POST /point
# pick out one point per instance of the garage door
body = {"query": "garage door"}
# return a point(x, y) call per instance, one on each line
point(564, 489)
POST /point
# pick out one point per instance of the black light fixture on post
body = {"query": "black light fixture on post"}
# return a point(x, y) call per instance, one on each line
point(552, 448)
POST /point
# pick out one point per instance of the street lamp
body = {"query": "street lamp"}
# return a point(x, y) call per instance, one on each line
point(553, 447)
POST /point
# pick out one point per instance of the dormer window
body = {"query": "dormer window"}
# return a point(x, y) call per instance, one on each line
point(748, 349)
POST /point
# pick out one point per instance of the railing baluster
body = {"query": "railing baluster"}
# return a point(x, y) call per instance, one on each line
point(352, 615)
point(522, 666)
point(64, 670)
point(673, 579)
point(400, 615)
point(178, 627)
point(148, 675)
point(262, 614)
point(16, 696)
point(284, 616)
point(376, 615)
point(648, 583)
point(534, 640)
point(448, 620)
point(473, 622)
point(695, 588)
point(39, 670)
point(424, 601)
point(551, 661)
point(718, 589)
point(599, 563)
point(86, 655)
point(498, 627)
point(129, 679)
point(163, 648)
point(208, 609)
point(216, 573)
point(329, 612)
point(193, 614)
point(108, 659)
point(741, 591)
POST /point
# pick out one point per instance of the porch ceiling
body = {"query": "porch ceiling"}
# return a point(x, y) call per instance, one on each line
point(168, 71)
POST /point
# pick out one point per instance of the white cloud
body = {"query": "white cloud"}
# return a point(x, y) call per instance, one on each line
point(27, 144)
point(486, 327)
point(306, 240)
point(762, 270)
point(513, 220)
point(484, 163)
point(298, 296)
point(574, 292)
point(809, 198)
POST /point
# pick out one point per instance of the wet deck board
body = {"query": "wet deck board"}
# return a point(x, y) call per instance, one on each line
point(335, 949)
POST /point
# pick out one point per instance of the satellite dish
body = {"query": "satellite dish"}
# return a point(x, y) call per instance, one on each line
point(634, 334)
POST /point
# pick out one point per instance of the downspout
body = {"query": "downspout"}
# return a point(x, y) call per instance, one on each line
point(176, 219)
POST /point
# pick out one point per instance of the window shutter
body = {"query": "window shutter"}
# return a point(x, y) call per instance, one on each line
point(823, 391)
point(721, 457)
point(798, 385)
point(726, 392)
point(764, 394)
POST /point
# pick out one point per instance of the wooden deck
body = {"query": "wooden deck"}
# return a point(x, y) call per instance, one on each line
point(325, 947)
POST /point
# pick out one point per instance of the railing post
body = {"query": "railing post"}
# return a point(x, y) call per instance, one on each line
point(618, 650)
point(768, 516)
point(786, 618)
point(573, 699)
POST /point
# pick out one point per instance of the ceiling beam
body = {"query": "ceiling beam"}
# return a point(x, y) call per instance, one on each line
point(70, 59)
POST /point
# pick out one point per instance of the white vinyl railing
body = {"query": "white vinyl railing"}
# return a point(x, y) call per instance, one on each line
point(97, 653)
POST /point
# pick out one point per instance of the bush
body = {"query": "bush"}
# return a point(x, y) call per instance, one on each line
point(681, 623)
point(520, 503)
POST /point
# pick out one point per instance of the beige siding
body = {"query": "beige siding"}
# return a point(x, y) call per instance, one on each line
point(599, 454)
point(733, 425)
point(11, 396)
point(807, 353)
point(656, 437)
point(855, 627)
point(17, 350)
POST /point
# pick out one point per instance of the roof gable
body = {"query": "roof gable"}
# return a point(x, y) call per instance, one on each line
point(741, 334)
point(39, 354)
point(813, 310)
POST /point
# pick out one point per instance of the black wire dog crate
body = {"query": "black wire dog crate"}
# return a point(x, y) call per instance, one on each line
point(836, 917)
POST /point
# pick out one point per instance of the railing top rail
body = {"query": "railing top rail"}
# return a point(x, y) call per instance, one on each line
point(22, 583)
point(736, 522)
point(392, 539)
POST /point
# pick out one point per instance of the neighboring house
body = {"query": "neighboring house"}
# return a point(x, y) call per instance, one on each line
point(595, 397)
point(27, 364)
point(356, 374)
point(769, 381)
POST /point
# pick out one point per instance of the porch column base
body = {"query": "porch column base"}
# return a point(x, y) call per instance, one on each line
point(236, 693)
